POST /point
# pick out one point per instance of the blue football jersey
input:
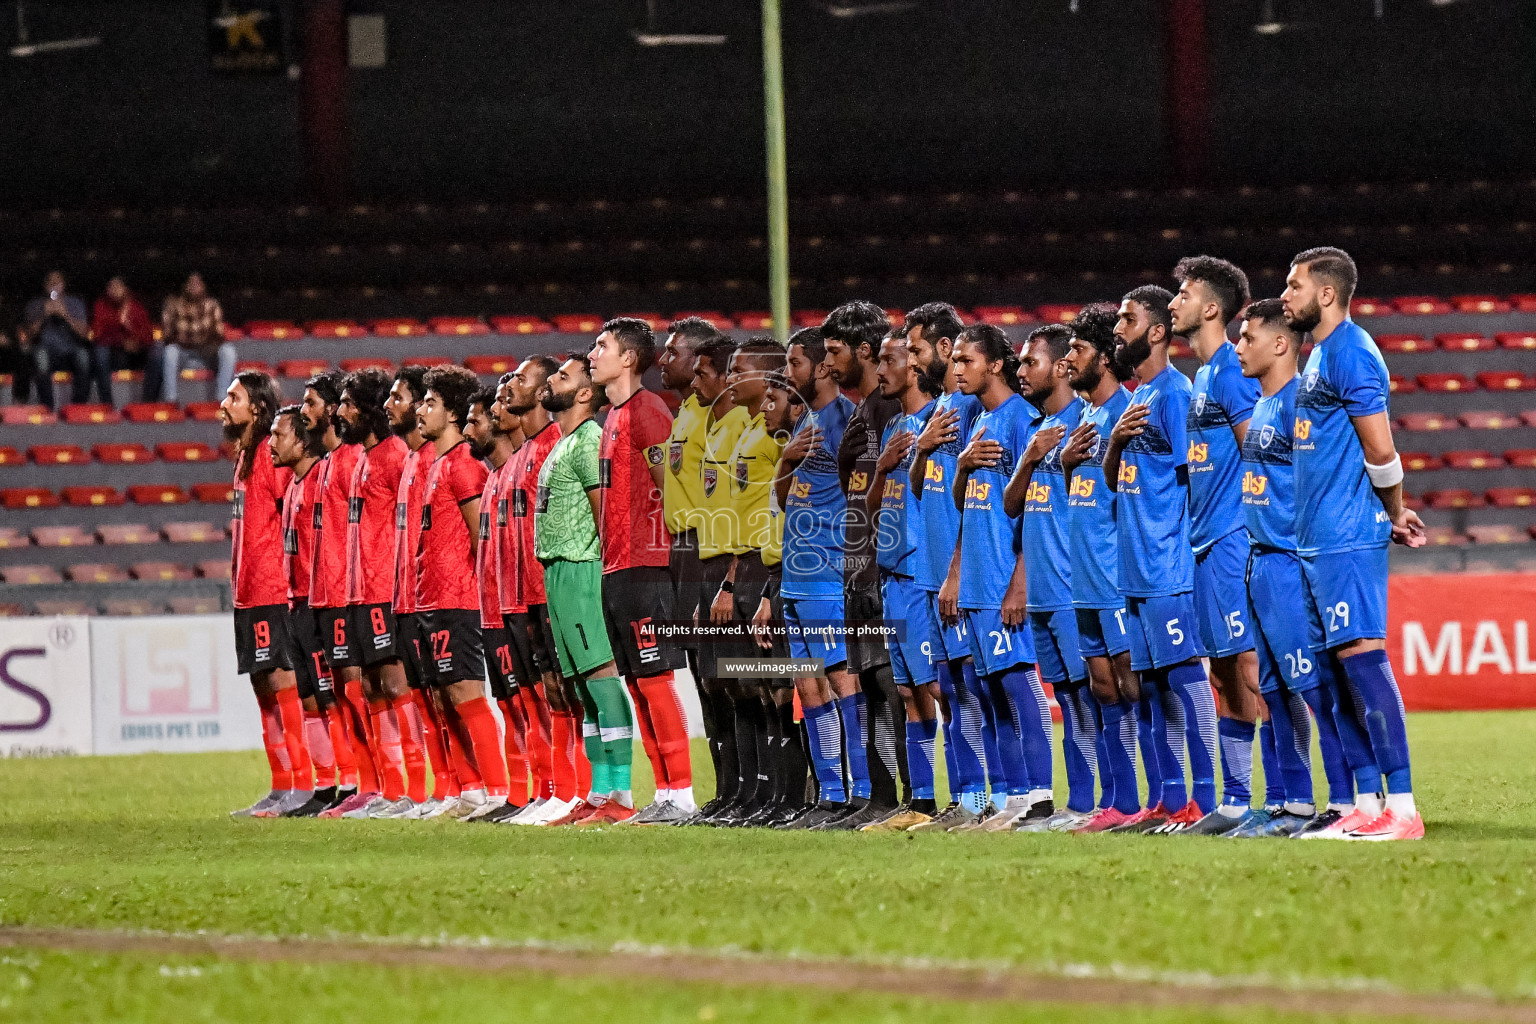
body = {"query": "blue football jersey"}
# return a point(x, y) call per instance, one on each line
point(897, 532)
point(814, 509)
point(1091, 515)
point(940, 520)
point(1269, 482)
point(1222, 398)
point(1152, 512)
point(990, 540)
point(1336, 508)
point(1048, 586)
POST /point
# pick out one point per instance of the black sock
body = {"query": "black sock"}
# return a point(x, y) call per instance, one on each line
point(768, 775)
point(711, 730)
point(886, 756)
point(727, 780)
point(793, 770)
point(748, 729)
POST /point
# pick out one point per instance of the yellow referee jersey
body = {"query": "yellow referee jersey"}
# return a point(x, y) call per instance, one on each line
point(681, 490)
point(719, 524)
point(753, 465)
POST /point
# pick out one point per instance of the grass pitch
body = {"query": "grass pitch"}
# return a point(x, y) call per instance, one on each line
point(145, 843)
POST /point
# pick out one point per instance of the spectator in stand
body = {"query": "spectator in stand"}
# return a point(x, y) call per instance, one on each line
point(55, 324)
point(121, 335)
point(16, 361)
point(193, 335)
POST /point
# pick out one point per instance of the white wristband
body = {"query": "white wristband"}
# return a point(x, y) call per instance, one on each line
point(1389, 475)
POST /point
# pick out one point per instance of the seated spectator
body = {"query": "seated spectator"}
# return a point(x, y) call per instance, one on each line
point(193, 329)
point(55, 324)
point(16, 360)
point(121, 334)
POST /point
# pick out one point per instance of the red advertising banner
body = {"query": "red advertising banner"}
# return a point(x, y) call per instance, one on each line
point(1463, 643)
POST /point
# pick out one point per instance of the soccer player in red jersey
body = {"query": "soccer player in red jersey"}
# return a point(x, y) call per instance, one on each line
point(291, 452)
point(638, 588)
point(372, 633)
point(490, 442)
point(551, 701)
point(446, 592)
point(260, 595)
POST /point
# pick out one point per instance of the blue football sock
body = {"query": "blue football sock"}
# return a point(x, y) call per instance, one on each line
point(1119, 771)
point(921, 737)
point(1189, 682)
point(1293, 745)
point(1149, 723)
point(855, 717)
point(1101, 752)
point(826, 739)
point(1341, 785)
point(971, 739)
point(1274, 785)
point(1078, 745)
point(1032, 719)
point(1168, 736)
point(1010, 747)
point(963, 739)
point(997, 778)
point(1370, 678)
point(1349, 719)
point(1236, 761)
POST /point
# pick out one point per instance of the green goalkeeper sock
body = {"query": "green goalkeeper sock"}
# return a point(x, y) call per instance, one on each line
point(617, 730)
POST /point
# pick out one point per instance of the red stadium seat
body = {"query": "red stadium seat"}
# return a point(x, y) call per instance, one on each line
point(1463, 341)
point(367, 363)
point(1496, 533)
point(213, 494)
point(273, 330)
point(1370, 307)
point(127, 376)
point(1419, 461)
point(195, 606)
point(88, 495)
point(10, 456)
point(124, 607)
point(1474, 458)
point(11, 537)
point(1002, 316)
point(192, 533)
point(1444, 536)
point(214, 569)
point(1479, 304)
point(302, 369)
point(1511, 497)
point(520, 325)
point(1523, 303)
point(654, 321)
point(186, 451)
point(160, 571)
point(58, 454)
point(1057, 314)
point(259, 365)
point(487, 365)
point(153, 412)
point(195, 373)
point(755, 321)
point(61, 537)
point(116, 534)
point(1479, 420)
point(1178, 348)
point(1426, 421)
point(715, 317)
point(1421, 305)
point(62, 377)
point(1528, 417)
point(25, 415)
point(1400, 385)
point(15, 498)
point(1402, 343)
point(1453, 497)
point(96, 572)
point(30, 574)
point(808, 317)
point(1413, 501)
point(577, 323)
point(84, 413)
point(336, 329)
point(426, 361)
point(1521, 458)
point(64, 608)
point(1524, 341)
point(458, 325)
point(1446, 382)
point(1507, 380)
point(399, 328)
point(122, 454)
point(157, 494)
point(203, 412)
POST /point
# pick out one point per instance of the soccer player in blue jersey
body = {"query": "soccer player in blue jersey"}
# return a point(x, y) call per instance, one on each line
point(1211, 293)
point(1147, 466)
point(896, 527)
point(1267, 348)
point(1097, 375)
point(931, 330)
point(992, 576)
point(1038, 492)
point(811, 587)
point(1349, 507)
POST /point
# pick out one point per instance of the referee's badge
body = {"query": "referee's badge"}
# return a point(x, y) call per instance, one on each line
point(711, 478)
point(675, 457)
point(741, 474)
point(653, 455)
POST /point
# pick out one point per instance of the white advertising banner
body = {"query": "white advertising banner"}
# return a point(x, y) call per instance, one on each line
point(168, 683)
point(45, 687)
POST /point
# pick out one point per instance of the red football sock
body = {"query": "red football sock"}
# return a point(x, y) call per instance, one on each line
point(272, 740)
point(346, 763)
point(563, 752)
point(445, 784)
point(386, 731)
point(485, 741)
point(540, 754)
point(461, 749)
point(320, 750)
point(357, 732)
point(665, 711)
point(413, 745)
point(291, 711)
point(583, 766)
point(515, 738)
point(647, 733)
